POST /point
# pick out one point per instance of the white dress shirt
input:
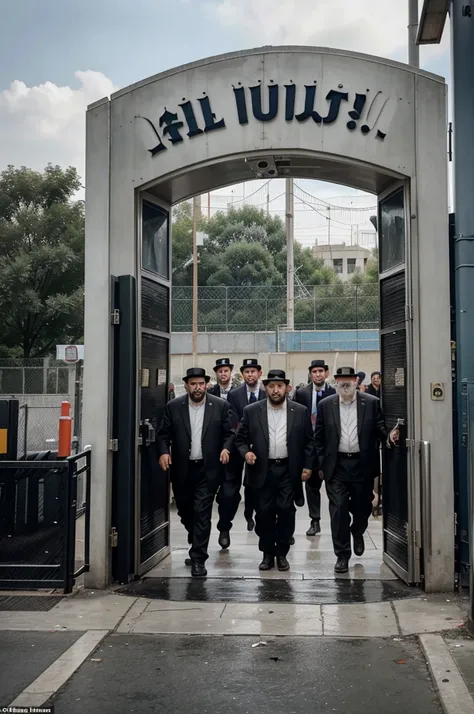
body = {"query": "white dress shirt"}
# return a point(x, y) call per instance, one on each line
point(349, 441)
point(277, 435)
point(196, 417)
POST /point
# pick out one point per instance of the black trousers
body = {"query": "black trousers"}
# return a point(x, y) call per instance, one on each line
point(275, 510)
point(313, 494)
point(194, 499)
point(349, 492)
point(229, 497)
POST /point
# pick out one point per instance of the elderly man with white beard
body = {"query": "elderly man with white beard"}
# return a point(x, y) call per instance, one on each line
point(349, 429)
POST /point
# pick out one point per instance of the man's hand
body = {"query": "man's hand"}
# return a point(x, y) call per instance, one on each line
point(394, 436)
point(225, 456)
point(306, 474)
point(165, 461)
point(250, 458)
point(321, 475)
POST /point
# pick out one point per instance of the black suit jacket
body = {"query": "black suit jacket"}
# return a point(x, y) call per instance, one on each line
point(215, 391)
point(371, 431)
point(252, 435)
point(174, 436)
point(238, 400)
point(372, 391)
point(304, 395)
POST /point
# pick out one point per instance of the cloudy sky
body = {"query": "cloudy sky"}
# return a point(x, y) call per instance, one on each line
point(58, 56)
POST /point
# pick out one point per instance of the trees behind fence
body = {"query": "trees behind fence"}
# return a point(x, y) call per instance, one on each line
point(255, 308)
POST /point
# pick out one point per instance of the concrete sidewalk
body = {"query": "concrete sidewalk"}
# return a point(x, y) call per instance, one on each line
point(297, 644)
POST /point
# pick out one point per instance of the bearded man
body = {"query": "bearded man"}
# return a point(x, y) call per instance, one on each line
point(349, 429)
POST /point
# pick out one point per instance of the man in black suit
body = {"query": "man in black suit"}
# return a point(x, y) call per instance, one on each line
point(310, 396)
point(375, 384)
point(229, 495)
point(276, 441)
point(223, 369)
point(194, 440)
point(349, 429)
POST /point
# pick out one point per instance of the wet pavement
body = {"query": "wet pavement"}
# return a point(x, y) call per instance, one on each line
point(203, 675)
point(233, 575)
point(25, 655)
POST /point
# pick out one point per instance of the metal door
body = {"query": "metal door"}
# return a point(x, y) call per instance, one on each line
point(401, 544)
point(152, 542)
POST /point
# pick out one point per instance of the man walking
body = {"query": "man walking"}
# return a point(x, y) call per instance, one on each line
point(229, 496)
point(223, 369)
point(276, 441)
point(194, 440)
point(310, 396)
point(375, 384)
point(349, 428)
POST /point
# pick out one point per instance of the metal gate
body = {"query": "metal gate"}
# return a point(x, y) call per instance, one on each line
point(153, 493)
point(401, 542)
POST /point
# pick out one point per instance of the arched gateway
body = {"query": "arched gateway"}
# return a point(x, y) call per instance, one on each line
point(300, 112)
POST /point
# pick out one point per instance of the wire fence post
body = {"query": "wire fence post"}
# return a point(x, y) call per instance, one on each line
point(227, 309)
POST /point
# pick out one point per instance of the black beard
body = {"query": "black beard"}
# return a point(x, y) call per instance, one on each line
point(277, 399)
point(196, 399)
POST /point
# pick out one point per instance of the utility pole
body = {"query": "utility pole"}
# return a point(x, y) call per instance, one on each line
point(290, 268)
point(209, 204)
point(413, 48)
point(268, 198)
point(329, 225)
point(196, 215)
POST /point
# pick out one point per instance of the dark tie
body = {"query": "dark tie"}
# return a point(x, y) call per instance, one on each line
point(253, 398)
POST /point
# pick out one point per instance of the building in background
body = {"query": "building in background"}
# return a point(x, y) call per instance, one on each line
point(346, 260)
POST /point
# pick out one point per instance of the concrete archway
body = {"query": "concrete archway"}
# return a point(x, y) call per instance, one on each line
point(304, 112)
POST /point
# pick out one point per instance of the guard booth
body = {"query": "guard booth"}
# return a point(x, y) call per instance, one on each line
point(272, 112)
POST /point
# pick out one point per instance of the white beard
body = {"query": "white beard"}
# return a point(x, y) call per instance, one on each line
point(346, 391)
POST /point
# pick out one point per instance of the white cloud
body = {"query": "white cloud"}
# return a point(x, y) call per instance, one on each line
point(46, 123)
point(377, 27)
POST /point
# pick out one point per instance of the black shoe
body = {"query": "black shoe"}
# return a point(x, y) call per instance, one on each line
point(224, 540)
point(342, 565)
point(314, 528)
point(250, 524)
point(188, 562)
point(292, 541)
point(282, 563)
point(198, 570)
point(359, 545)
point(267, 563)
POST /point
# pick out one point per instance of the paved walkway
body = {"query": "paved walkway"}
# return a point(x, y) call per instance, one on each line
point(360, 643)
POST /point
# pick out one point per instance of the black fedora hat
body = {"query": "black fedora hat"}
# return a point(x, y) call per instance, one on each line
point(196, 372)
point(345, 372)
point(223, 362)
point(275, 375)
point(317, 363)
point(250, 362)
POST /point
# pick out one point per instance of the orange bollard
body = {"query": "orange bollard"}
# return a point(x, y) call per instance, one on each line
point(65, 431)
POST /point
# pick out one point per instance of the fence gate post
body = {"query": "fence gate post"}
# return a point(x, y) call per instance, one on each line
point(9, 410)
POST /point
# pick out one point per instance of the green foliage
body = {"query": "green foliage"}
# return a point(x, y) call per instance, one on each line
point(41, 260)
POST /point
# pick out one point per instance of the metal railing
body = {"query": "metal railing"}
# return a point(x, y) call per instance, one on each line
point(44, 532)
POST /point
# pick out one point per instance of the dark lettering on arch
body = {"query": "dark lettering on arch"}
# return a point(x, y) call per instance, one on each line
point(190, 117)
point(209, 117)
point(335, 98)
point(241, 103)
point(256, 94)
point(290, 98)
point(159, 147)
point(172, 126)
point(309, 111)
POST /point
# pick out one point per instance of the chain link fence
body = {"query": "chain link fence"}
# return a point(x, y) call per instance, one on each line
point(40, 385)
point(263, 307)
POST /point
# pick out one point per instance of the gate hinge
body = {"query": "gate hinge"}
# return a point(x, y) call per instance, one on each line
point(113, 538)
point(416, 539)
point(115, 317)
point(113, 445)
point(410, 443)
point(408, 312)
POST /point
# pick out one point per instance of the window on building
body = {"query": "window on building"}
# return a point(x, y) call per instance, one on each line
point(337, 265)
point(351, 265)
